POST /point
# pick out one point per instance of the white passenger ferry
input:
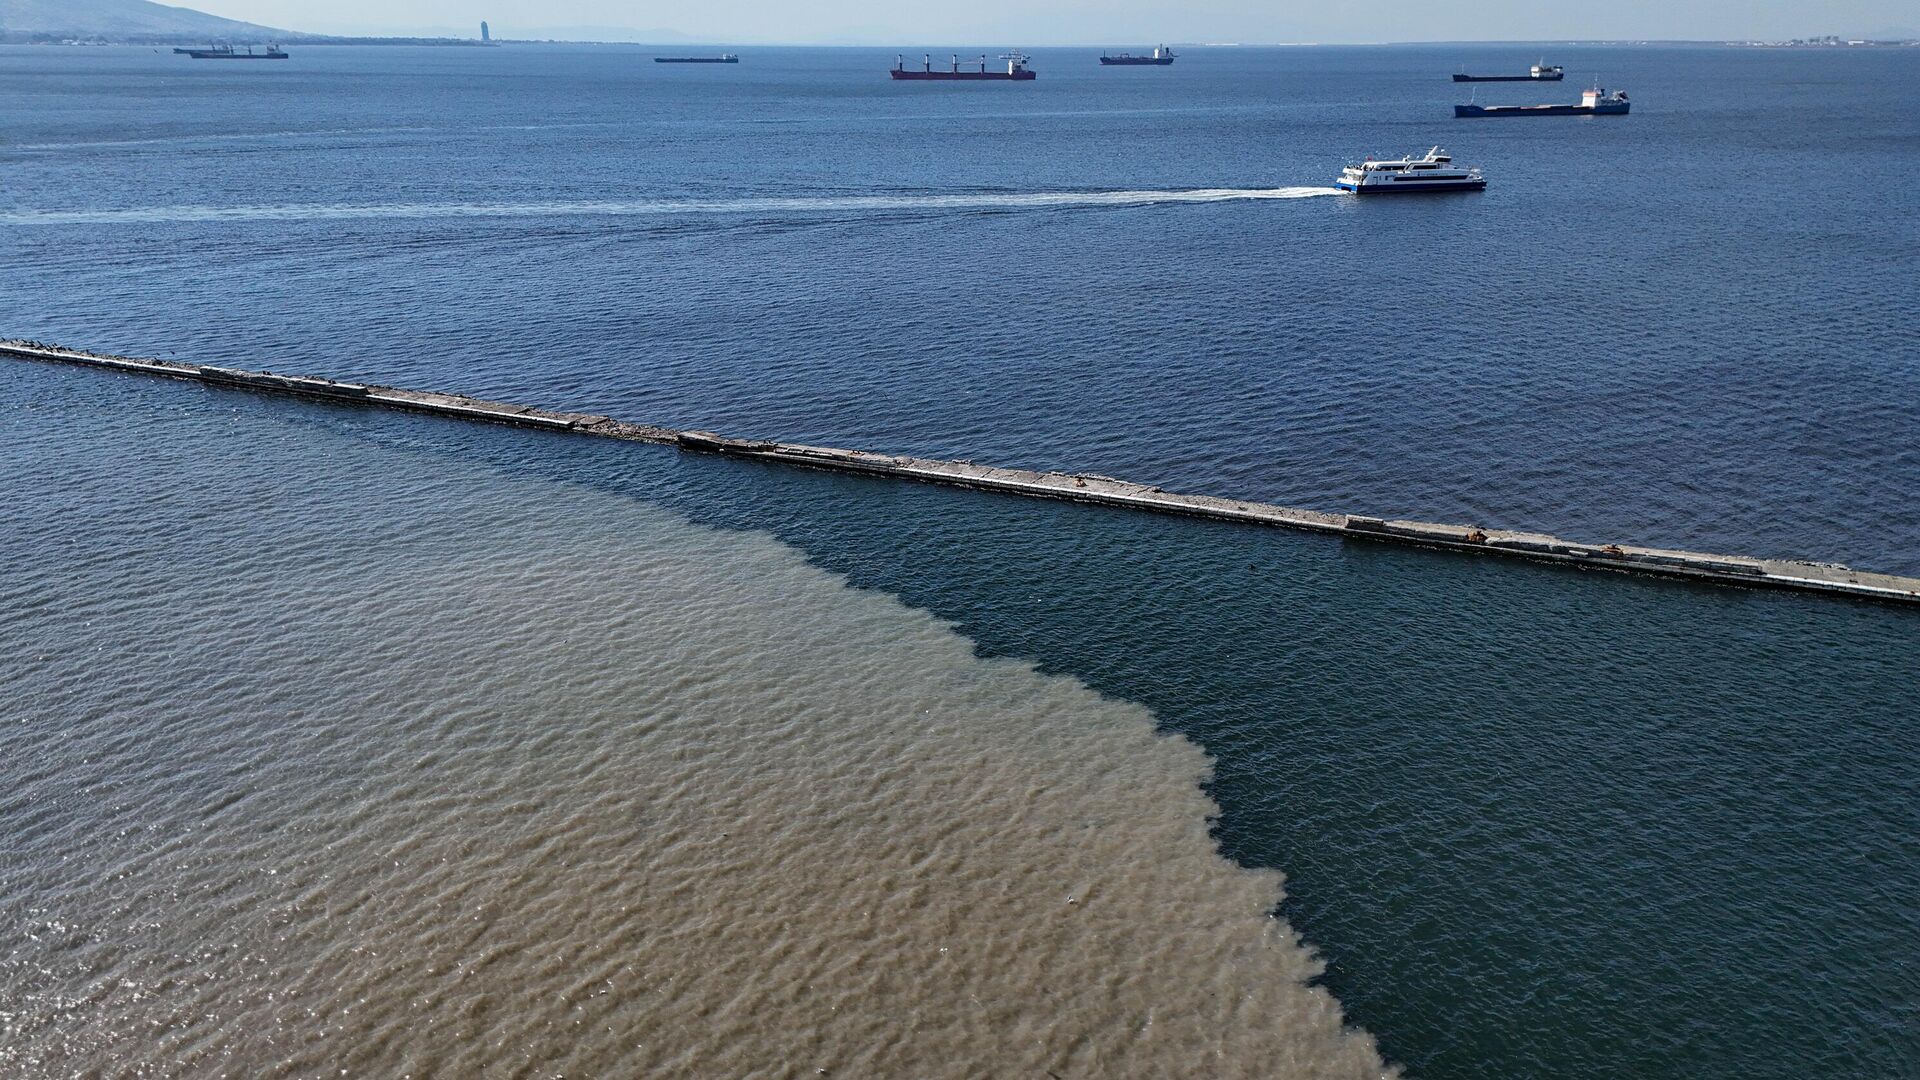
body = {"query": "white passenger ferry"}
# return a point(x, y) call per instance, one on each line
point(1434, 172)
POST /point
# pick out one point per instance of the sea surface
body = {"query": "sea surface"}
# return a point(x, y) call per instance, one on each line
point(1691, 326)
point(337, 740)
point(508, 775)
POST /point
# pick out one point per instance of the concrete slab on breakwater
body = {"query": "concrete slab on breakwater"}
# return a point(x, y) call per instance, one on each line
point(1722, 569)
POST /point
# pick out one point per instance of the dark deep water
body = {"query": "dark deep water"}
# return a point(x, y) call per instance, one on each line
point(1693, 325)
point(1540, 822)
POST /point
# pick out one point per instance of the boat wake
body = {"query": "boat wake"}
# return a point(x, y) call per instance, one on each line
point(828, 204)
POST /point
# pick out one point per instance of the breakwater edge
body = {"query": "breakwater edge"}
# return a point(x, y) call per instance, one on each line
point(1079, 487)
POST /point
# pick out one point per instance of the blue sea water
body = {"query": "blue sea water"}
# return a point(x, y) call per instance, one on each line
point(1688, 326)
point(1540, 823)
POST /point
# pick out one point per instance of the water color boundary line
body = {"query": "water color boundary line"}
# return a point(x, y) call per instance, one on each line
point(1078, 487)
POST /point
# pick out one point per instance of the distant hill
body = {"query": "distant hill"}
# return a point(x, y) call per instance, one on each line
point(123, 20)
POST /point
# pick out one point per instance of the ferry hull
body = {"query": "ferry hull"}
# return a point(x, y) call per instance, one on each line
point(961, 76)
point(1609, 109)
point(1412, 188)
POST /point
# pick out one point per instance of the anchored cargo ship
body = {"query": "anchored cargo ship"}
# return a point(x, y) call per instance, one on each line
point(1434, 172)
point(1016, 70)
point(1539, 73)
point(228, 52)
point(723, 58)
point(1162, 57)
point(1595, 102)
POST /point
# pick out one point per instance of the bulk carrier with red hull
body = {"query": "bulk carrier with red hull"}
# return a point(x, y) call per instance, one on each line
point(1016, 70)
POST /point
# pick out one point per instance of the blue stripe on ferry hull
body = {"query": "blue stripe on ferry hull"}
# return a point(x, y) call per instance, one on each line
point(1413, 189)
point(1609, 109)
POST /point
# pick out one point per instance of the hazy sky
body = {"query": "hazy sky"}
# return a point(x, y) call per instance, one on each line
point(1040, 22)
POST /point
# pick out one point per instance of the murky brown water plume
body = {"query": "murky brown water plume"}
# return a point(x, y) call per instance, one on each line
point(340, 758)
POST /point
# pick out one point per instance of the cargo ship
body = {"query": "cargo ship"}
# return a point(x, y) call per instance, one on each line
point(1016, 70)
point(1162, 57)
point(228, 52)
point(1595, 102)
point(723, 58)
point(1434, 172)
point(1538, 73)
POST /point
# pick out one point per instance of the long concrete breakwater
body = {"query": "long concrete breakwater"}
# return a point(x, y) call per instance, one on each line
point(1078, 487)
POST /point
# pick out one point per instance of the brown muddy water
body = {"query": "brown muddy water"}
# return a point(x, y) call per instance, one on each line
point(327, 755)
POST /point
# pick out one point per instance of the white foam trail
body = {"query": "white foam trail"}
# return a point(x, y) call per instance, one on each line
point(290, 135)
point(1032, 200)
point(176, 140)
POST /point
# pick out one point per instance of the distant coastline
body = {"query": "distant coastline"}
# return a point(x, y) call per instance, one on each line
point(1831, 42)
point(167, 23)
point(293, 38)
point(27, 38)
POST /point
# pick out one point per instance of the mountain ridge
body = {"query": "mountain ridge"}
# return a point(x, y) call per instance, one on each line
point(124, 20)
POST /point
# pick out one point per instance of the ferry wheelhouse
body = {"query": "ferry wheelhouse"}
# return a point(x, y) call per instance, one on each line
point(1434, 172)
